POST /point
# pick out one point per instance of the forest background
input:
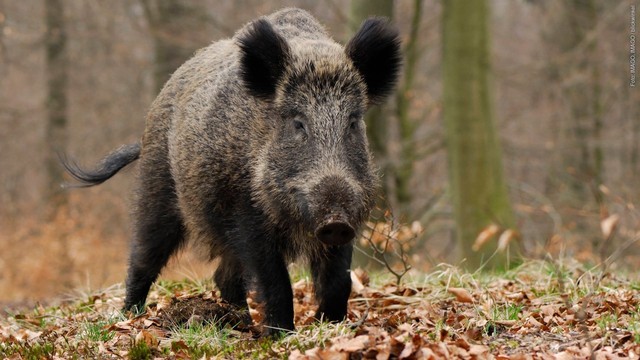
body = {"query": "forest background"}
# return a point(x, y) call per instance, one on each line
point(77, 76)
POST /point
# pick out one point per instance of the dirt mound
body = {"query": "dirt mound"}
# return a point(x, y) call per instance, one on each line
point(198, 309)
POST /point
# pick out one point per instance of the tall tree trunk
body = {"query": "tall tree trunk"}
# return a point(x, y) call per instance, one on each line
point(57, 82)
point(56, 128)
point(478, 188)
point(595, 167)
point(578, 75)
point(377, 121)
point(404, 168)
point(584, 99)
point(168, 19)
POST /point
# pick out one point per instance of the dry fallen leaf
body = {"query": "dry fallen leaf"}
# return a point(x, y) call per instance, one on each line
point(549, 310)
point(533, 322)
point(350, 345)
point(122, 325)
point(505, 239)
point(319, 354)
point(476, 350)
point(356, 284)
point(484, 236)
point(462, 295)
point(609, 224)
point(605, 190)
point(296, 355)
point(146, 337)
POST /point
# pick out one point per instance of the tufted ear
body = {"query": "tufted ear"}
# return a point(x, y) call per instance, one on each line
point(375, 52)
point(264, 55)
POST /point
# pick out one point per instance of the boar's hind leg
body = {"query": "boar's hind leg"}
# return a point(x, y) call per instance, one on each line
point(158, 233)
point(332, 282)
point(229, 277)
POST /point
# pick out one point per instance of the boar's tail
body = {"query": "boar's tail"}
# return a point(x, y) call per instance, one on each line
point(106, 168)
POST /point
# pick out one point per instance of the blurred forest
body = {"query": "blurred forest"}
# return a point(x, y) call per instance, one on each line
point(77, 76)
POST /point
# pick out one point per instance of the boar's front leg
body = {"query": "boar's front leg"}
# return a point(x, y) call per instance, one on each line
point(332, 282)
point(274, 283)
point(269, 269)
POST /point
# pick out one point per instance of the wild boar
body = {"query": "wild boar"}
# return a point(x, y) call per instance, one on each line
point(256, 152)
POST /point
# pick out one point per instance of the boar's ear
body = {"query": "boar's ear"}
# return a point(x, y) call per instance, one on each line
point(263, 58)
point(375, 52)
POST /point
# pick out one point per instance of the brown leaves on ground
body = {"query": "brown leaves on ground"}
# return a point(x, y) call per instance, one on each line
point(529, 314)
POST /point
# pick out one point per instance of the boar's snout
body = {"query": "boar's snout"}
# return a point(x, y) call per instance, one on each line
point(335, 230)
point(335, 210)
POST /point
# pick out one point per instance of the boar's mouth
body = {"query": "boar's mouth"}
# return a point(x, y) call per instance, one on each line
point(335, 230)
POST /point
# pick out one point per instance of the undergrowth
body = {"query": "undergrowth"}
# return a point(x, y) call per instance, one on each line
point(534, 308)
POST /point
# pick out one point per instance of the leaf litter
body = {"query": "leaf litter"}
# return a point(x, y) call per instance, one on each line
point(528, 313)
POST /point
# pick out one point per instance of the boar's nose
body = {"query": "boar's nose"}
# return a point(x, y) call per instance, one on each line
point(335, 230)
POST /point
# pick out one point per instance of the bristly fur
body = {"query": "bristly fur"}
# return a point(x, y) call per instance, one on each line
point(263, 59)
point(375, 51)
point(253, 148)
point(105, 169)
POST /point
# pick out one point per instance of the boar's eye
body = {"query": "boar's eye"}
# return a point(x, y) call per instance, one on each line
point(354, 120)
point(299, 128)
point(296, 120)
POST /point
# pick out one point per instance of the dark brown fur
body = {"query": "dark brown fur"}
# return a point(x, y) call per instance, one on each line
point(255, 152)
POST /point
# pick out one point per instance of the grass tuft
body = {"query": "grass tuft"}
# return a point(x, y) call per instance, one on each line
point(140, 351)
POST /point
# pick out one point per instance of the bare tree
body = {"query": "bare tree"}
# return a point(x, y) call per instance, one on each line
point(57, 65)
point(575, 67)
point(477, 184)
point(404, 168)
point(170, 21)
point(57, 82)
point(377, 119)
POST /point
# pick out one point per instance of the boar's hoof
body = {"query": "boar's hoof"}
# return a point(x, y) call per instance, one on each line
point(273, 333)
point(335, 232)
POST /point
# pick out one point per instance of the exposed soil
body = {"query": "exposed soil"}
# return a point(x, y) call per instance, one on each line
point(204, 309)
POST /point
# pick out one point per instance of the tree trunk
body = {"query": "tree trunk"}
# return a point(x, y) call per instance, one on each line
point(578, 74)
point(57, 82)
point(477, 185)
point(404, 168)
point(376, 119)
point(56, 130)
point(168, 20)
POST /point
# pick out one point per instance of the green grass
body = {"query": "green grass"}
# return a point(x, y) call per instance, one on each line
point(27, 351)
point(85, 328)
point(209, 339)
point(506, 312)
point(606, 321)
point(186, 286)
point(140, 351)
point(97, 331)
point(204, 339)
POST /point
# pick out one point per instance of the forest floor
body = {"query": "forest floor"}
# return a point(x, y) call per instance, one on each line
point(541, 310)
